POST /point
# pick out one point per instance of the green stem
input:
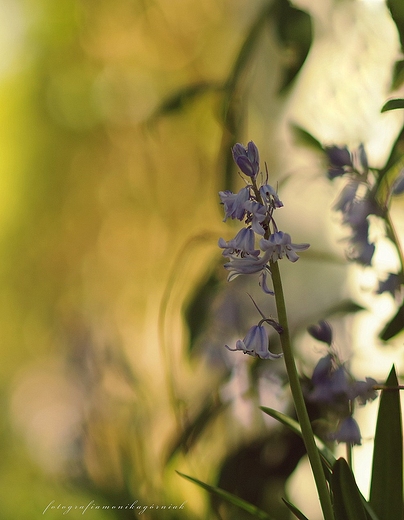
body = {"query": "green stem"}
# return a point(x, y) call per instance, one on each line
point(298, 399)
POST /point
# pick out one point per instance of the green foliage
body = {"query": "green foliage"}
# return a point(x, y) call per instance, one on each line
point(298, 514)
point(386, 492)
point(229, 497)
point(394, 326)
point(348, 501)
point(393, 104)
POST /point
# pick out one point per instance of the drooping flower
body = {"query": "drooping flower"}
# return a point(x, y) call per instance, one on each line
point(392, 285)
point(280, 244)
point(348, 431)
point(247, 158)
point(242, 244)
point(322, 331)
point(256, 215)
point(270, 196)
point(255, 344)
point(364, 390)
point(339, 160)
point(331, 382)
point(247, 265)
point(234, 203)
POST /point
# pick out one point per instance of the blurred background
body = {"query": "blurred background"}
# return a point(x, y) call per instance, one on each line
point(117, 120)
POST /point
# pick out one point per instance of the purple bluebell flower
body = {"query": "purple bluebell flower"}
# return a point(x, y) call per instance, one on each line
point(348, 431)
point(322, 331)
point(330, 381)
point(280, 244)
point(246, 265)
point(347, 197)
point(247, 158)
point(234, 203)
point(269, 195)
point(364, 390)
point(242, 244)
point(339, 160)
point(256, 215)
point(360, 249)
point(360, 160)
point(255, 344)
point(392, 284)
point(263, 281)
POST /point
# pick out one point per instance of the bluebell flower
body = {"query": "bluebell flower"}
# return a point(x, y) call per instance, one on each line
point(246, 265)
point(392, 284)
point(247, 159)
point(360, 160)
point(364, 390)
point(257, 213)
point(279, 245)
point(361, 250)
point(234, 203)
point(339, 159)
point(347, 197)
point(348, 431)
point(263, 281)
point(330, 381)
point(270, 196)
point(255, 344)
point(322, 331)
point(242, 244)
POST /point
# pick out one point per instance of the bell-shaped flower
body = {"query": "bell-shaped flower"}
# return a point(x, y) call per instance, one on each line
point(347, 197)
point(331, 383)
point(247, 158)
point(242, 244)
point(322, 331)
point(348, 431)
point(255, 344)
point(234, 203)
point(364, 390)
point(360, 160)
point(280, 244)
point(392, 285)
point(269, 195)
point(339, 161)
point(256, 215)
point(246, 265)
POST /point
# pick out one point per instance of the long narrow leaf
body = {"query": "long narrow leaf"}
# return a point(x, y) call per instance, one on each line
point(298, 514)
point(393, 104)
point(229, 497)
point(386, 490)
point(348, 501)
point(327, 454)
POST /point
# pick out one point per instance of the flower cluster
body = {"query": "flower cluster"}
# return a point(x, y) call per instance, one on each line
point(356, 201)
point(255, 205)
point(334, 386)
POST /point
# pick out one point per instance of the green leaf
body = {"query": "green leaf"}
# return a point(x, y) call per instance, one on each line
point(386, 490)
point(393, 104)
point(179, 99)
point(229, 497)
point(326, 454)
point(395, 325)
point(303, 137)
point(298, 514)
point(348, 501)
point(386, 182)
point(195, 427)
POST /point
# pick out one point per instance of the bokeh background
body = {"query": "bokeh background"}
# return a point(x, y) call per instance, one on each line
point(117, 119)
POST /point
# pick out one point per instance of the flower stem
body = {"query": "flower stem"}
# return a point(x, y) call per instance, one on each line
point(298, 399)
